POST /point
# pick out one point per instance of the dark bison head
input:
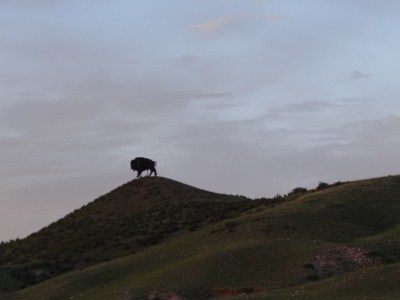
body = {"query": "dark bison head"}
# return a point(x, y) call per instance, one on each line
point(133, 164)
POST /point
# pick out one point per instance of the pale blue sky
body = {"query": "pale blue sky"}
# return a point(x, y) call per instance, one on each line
point(251, 97)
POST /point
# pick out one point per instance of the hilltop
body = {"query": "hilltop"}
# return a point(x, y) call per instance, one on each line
point(339, 241)
point(132, 217)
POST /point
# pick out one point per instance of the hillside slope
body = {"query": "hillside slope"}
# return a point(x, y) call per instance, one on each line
point(130, 218)
point(341, 242)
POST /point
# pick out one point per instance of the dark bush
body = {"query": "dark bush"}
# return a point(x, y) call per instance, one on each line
point(322, 185)
point(298, 190)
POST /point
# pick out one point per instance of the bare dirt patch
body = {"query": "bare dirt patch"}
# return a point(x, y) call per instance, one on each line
point(200, 294)
point(334, 261)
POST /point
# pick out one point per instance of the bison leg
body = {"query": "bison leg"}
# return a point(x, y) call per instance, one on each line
point(153, 170)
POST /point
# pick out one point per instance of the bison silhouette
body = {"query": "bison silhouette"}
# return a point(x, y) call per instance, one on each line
point(141, 164)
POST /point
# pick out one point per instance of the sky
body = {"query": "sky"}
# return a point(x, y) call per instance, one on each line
point(244, 97)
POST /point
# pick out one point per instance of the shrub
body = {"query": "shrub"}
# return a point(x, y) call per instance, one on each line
point(297, 190)
point(322, 185)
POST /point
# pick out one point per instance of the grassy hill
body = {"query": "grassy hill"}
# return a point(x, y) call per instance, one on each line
point(133, 217)
point(335, 242)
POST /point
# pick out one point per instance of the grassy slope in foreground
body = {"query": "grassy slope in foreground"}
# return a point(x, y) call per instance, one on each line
point(374, 283)
point(268, 247)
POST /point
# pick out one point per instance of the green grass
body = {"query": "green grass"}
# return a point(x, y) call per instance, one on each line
point(261, 246)
point(199, 259)
point(378, 283)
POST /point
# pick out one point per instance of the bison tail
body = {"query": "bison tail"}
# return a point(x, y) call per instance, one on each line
point(155, 163)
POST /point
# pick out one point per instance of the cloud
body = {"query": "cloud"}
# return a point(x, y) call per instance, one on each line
point(357, 75)
point(224, 22)
point(216, 24)
point(271, 17)
point(304, 107)
point(264, 161)
point(212, 95)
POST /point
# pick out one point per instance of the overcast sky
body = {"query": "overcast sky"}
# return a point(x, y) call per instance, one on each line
point(250, 97)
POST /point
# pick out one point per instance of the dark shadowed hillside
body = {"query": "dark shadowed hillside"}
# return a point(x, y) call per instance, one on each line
point(130, 218)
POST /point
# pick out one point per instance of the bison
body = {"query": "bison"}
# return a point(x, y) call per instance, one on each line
point(141, 164)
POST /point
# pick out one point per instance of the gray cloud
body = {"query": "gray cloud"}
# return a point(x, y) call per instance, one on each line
point(306, 106)
point(212, 95)
point(357, 75)
point(271, 165)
